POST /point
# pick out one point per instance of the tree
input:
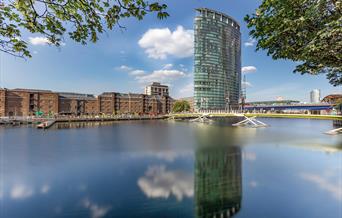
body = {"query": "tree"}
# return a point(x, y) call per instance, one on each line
point(181, 106)
point(83, 20)
point(339, 105)
point(305, 31)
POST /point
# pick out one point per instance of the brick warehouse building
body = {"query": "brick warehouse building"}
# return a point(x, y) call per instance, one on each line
point(26, 102)
point(29, 102)
point(119, 103)
point(77, 104)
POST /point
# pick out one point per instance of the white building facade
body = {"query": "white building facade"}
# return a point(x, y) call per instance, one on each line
point(315, 96)
point(157, 89)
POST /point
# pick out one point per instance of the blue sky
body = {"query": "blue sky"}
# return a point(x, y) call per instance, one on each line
point(148, 50)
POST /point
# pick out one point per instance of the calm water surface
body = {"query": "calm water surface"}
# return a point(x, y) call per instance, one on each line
point(171, 169)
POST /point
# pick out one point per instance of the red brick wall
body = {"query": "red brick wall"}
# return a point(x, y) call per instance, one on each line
point(91, 107)
point(2, 102)
point(48, 103)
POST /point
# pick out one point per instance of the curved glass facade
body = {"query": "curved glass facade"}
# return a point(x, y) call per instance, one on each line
point(217, 75)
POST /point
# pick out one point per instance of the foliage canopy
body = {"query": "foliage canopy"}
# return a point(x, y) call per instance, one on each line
point(83, 20)
point(306, 31)
point(181, 106)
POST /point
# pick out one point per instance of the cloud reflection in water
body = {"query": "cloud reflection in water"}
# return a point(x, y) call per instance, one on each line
point(21, 192)
point(334, 189)
point(159, 182)
point(96, 210)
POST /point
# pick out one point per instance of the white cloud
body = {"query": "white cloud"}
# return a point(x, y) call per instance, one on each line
point(124, 68)
point(251, 42)
point(137, 72)
point(334, 189)
point(167, 66)
point(130, 70)
point(39, 40)
point(246, 84)
point(21, 192)
point(159, 43)
point(161, 76)
point(248, 69)
point(161, 183)
point(96, 210)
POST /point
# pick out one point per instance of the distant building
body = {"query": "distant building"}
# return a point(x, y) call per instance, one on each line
point(280, 98)
point(217, 73)
point(157, 89)
point(332, 99)
point(315, 96)
point(278, 102)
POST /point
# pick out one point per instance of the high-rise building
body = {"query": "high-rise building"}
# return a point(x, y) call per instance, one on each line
point(315, 96)
point(157, 89)
point(217, 74)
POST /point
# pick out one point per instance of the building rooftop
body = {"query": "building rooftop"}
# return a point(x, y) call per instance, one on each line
point(30, 90)
point(73, 95)
point(282, 102)
point(157, 84)
point(218, 13)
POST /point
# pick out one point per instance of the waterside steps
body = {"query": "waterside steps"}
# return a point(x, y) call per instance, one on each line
point(203, 118)
point(46, 124)
point(250, 122)
point(334, 131)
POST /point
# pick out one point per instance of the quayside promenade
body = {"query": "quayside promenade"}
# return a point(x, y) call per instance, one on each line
point(172, 116)
point(37, 120)
point(265, 115)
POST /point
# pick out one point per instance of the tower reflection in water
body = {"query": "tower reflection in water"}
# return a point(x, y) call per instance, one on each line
point(218, 181)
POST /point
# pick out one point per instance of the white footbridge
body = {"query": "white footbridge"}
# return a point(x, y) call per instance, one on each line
point(250, 122)
point(203, 118)
point(334, 131)
point(247, 122)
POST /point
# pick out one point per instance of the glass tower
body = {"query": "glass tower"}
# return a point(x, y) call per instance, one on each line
point(217, 75)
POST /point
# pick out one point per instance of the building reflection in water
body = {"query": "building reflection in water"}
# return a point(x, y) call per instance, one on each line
point(218, 181)
point(71, 125)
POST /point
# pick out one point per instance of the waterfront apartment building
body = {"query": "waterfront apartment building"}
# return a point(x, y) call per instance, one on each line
point(30, 102)
point(77, 104)
point(131, 103)
point(27, 102)
point(157, 89)
point(217, 72)
point(315, 96)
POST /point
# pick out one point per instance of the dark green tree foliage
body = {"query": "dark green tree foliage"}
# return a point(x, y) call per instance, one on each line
point(307, 31)
point(83, 20)
point(181, 106)
point(339, 105)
